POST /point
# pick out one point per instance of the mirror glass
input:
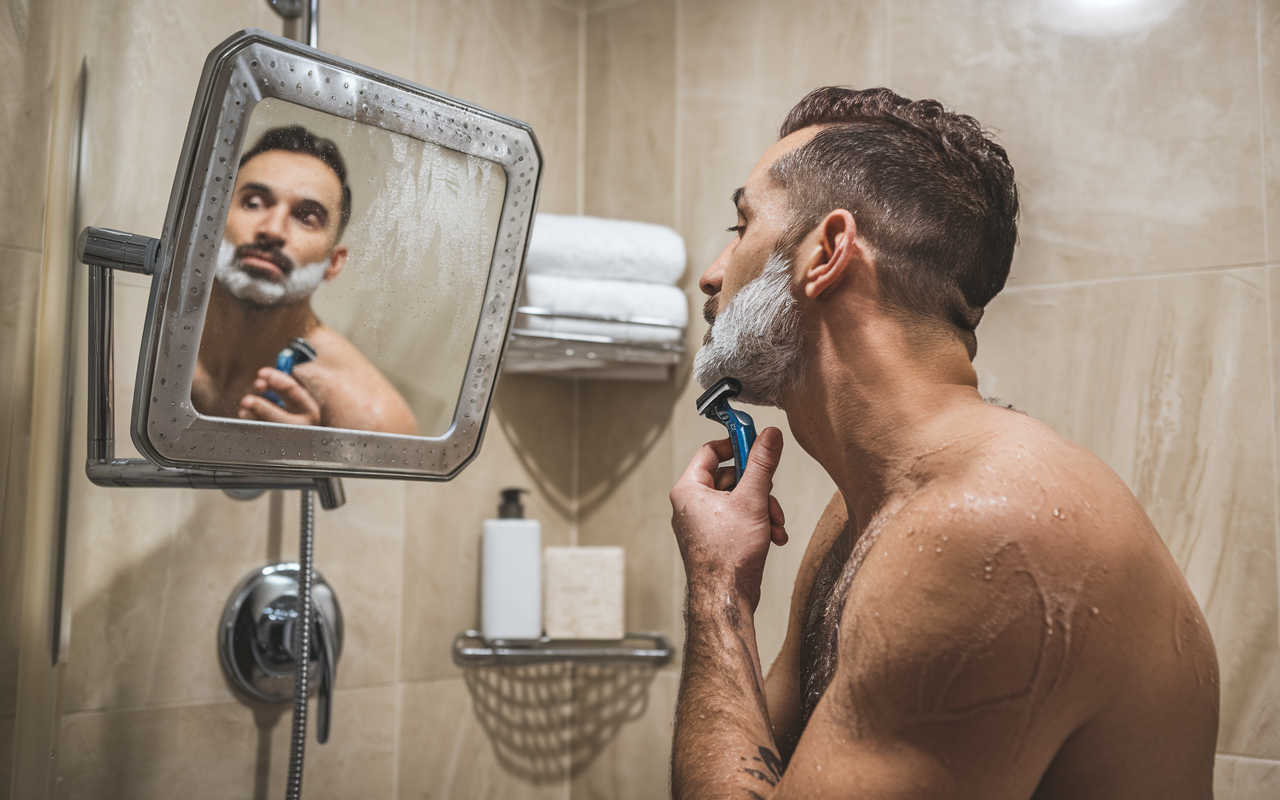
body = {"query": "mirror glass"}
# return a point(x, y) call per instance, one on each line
point(372, 247)
point(335, 285)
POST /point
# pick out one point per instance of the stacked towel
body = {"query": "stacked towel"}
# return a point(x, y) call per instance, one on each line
point(600, 298)
point(611, 249)
point(621, 311)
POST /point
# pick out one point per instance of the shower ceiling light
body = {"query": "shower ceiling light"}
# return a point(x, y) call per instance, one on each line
point(1104, 17)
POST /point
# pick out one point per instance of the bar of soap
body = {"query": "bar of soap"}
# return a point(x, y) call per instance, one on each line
point(583, 590)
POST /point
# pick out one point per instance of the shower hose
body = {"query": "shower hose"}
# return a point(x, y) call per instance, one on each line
point(301, 649)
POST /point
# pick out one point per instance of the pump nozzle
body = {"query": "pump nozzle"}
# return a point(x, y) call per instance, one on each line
point(510, 507)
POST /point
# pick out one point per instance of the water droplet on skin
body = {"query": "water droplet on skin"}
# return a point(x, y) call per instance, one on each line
point(921, 548)
point(939, 549)
point(1033, 516)
point(1094, 610)
point(987, 576)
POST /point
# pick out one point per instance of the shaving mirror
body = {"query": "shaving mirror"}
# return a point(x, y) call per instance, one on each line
point(404, 297)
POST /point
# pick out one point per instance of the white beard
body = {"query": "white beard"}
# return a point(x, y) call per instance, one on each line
point(297, 285)
point(756, 339)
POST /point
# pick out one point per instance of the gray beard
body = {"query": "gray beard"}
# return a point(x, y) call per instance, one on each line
point(756, 339)
point(298, 284)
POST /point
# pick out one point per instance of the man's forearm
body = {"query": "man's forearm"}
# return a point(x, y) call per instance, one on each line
point(723, 743)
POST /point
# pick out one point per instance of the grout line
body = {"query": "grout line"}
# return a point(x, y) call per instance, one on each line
point(1266, 251)
point(17, 248)
point(677, 207)
point(575, 441)
point(1248, 758)
point(888, 50)
point(1133, 276)
point(1262, 133)
point(397, 715)
point(581, 189)
point(231, 698)
point(1271, 370)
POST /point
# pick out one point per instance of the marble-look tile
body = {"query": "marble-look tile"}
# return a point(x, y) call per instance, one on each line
point(359, 760)
point(1236, 778)
point(516, 58)
point(1269, 42)
point(743, 66)
point(19, 292)
point(220, 750)
point(26, 107)
point(6, 756)
point(631, 105)
point(1135, 151)
point(1163, 378)
point(359, 548)
point(635, 763)
point(453, 754)
point(145, 59)
point(154, 569)
point(625, 457)
point(376, 33)
point(528, 444)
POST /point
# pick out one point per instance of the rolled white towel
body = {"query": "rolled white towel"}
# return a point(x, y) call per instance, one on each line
point(610, 249)
point(622, 311)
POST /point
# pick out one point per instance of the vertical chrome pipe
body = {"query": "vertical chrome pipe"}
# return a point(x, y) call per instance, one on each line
point(301, 648)
point(101, 365)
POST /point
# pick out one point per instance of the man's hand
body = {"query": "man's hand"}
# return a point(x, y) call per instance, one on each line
point(724, 536)
point(300, 407)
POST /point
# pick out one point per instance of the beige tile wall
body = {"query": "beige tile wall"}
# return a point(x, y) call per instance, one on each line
point(1135, 323)
point(25, 56)
point(1148, 164)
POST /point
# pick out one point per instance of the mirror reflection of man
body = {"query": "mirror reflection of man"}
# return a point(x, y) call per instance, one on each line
point(289, 209)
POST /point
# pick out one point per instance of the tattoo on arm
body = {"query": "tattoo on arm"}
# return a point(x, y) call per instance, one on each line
point(770, 767)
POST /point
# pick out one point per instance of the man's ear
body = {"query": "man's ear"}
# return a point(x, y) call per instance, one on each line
point(337, 260)
point(832, 249)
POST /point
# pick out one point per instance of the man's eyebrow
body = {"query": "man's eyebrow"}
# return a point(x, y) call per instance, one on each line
point(260, 188)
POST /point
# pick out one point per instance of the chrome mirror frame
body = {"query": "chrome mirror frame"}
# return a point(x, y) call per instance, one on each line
point(248, 67)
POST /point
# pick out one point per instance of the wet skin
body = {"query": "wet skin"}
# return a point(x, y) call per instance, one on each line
point(984, 610)
point(288, 204)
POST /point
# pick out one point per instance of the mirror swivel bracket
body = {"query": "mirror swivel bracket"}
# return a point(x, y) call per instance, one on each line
point(105, 250)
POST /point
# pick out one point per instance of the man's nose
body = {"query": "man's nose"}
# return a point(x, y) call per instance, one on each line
point(713, 278)
point(273, 226)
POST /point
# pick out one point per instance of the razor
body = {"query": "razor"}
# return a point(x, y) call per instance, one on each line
point(714, 405)
point(298, 352)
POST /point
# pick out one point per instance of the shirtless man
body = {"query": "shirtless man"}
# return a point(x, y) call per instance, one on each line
point(984, 610)
point(289, 209)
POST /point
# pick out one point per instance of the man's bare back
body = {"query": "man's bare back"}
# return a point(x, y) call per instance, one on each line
point(1018, 593)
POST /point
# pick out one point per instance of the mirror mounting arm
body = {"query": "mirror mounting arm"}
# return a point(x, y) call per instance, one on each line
point(105, 250)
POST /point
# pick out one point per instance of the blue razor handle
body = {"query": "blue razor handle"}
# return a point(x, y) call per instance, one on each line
point(714, 405)
point(298, 352)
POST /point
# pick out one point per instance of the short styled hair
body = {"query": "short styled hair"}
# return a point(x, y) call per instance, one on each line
point(297, 139)
point(932, 192)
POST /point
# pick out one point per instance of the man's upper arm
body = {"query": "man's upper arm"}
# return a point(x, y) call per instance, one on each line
point(951, 672)
point(783, 690)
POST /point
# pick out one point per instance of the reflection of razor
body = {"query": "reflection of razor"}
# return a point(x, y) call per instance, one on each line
point(714, 404)
point(298, 352)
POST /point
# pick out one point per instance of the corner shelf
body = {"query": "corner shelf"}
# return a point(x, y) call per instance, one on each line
point(470, 649)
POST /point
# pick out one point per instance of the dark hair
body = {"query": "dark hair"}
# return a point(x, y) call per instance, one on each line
point(932, 193)
point(297, 139)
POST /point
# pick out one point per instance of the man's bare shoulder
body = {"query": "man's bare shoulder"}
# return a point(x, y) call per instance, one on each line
point(352, 392)
point(1023, 589)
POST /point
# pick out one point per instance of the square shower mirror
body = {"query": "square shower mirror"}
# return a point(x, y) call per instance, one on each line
point(338, 271)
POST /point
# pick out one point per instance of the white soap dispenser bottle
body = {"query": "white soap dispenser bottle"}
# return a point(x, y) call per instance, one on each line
point(511, 574)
